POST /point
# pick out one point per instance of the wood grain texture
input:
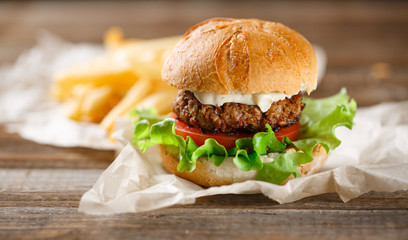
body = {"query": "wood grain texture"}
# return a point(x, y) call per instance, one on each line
point(220, 217)
point(214, 223)
point(55, 180)
point(329, 201)
point(16, 152)
point(354, 32)
point(40, 186)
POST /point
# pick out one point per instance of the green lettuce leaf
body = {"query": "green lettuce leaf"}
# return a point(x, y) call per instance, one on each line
point(282, 167)
point(245, 157)
point(146, 114)
point(187, 148)
point(213, 150)
point(265, 142)
point(319, 120)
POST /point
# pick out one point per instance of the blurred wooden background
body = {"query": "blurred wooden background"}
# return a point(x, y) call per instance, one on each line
point(366, 41)
point(40, 186)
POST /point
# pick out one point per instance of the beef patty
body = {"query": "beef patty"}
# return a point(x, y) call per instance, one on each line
point(236, 117)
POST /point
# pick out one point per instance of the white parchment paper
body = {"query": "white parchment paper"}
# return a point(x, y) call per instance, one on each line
point(25, 104)
point(373, 156)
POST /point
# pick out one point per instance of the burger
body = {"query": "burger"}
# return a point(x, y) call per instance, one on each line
point(240, 113)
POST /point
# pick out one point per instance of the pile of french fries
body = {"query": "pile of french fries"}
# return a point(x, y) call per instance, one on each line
point(127, 76)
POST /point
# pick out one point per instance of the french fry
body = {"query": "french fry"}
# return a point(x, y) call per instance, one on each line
point(114, 38)
point(73, 109)
point(110, 86)
point(139, 90)
point(148, 51)
point(117, 66)
point(91, 104)
point(98, 103)
point(105, 70)
point(74, 104)
point(162, 101)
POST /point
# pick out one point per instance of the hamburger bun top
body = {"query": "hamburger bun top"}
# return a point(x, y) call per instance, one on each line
point(242, 55)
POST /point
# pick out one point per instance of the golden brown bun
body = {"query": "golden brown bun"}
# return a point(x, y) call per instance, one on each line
point(208, 175)
point(245, 55)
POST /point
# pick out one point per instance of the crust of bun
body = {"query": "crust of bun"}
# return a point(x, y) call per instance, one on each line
point(242, 55)
point(208, 175)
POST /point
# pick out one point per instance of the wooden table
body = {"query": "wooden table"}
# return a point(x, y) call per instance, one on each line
point(40, 186)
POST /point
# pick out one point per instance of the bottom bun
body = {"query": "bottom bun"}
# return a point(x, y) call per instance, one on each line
point(208, 175)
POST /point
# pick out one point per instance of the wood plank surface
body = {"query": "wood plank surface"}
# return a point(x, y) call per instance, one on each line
point(239, 216)
point(40, 186)
point(18, 153)
point(65, 223)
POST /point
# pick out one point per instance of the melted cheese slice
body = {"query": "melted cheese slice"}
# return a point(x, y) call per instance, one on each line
point(262, 100)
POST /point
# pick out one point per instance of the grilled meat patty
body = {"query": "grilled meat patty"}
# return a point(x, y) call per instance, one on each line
point(236, 117)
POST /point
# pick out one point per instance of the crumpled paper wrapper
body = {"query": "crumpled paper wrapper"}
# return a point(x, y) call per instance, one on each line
point(26, 107)
point(25, 104)
point(373, 156)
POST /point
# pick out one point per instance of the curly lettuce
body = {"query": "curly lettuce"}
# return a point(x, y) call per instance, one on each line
point(319, 120)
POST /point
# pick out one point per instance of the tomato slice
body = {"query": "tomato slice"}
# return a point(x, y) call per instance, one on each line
point(225, 139)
